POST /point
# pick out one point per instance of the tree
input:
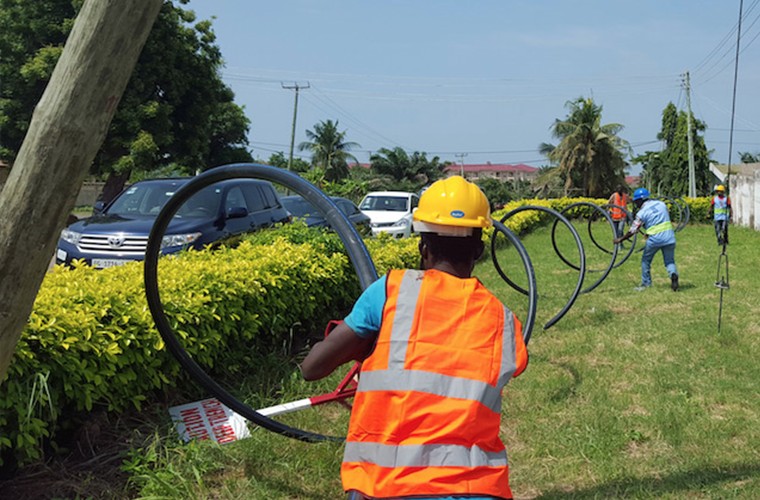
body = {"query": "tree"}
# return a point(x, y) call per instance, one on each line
point(590, 156)
point(749, 157)
point(407, 173)
point(69, 124)
point(497, 192)
point(278, 160)
point(666, 172)
point(175, 110)
point(329, 150)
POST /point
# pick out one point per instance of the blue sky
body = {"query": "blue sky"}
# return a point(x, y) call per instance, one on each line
point(483, 80)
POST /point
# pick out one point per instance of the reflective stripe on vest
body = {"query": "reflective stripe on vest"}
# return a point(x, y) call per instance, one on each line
point(423, 455)
point(659, 228)
point(721, 211)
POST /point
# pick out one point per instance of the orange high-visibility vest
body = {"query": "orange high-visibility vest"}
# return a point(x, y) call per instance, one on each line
point(427, 409)
point(621, 201)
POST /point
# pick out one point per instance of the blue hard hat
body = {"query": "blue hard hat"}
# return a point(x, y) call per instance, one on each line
point(641, 194)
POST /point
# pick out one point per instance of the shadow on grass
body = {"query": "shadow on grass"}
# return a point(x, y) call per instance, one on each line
point(687, 482)
point(571, 389)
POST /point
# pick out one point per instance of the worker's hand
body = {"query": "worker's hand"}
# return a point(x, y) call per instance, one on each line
point(341, 346)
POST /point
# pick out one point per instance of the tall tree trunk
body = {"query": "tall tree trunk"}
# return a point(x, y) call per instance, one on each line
point(67, 129)
point(113, 186)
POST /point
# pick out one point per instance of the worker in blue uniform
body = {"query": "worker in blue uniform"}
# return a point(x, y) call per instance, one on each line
point(653, 219)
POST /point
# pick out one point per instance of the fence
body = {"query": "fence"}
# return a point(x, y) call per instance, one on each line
point(88, 193)
point(745, 194)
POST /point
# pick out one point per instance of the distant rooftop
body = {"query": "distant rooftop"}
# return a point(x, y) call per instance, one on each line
point(491, 167)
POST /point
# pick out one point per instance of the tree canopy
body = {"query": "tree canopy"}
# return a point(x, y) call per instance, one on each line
point(666, 172)
point(329, 149)
point(406, 172)
point(749, 157)
point(590, 157)
point(175, 111)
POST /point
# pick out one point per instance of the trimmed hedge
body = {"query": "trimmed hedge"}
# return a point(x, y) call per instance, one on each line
point(90, 339)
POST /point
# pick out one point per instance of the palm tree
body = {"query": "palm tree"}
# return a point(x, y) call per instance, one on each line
point(590, 156)
point(407, 172)
point(328, 149)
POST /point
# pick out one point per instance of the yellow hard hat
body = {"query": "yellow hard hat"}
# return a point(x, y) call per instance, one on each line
point(452, 207)
point(720, 187)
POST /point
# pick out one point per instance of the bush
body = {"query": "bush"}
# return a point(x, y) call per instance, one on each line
point(90, 340)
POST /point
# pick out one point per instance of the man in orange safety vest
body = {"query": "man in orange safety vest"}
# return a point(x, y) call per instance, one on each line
point(619, 199)
point(437, 348)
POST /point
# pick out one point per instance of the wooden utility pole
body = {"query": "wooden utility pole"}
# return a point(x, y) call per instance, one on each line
point(461, 162)
point(67, 129)
point(297, 88)
point(690, 139)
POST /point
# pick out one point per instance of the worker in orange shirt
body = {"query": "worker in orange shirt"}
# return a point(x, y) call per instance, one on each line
point(620, 199)
point(437, 348)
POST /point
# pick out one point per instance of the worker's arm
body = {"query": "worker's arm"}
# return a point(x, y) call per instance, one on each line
point(634, 229)
point(341, 346)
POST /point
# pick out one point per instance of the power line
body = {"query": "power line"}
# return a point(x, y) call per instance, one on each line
point(726, 39)
point(725, 57)
point(327, 101)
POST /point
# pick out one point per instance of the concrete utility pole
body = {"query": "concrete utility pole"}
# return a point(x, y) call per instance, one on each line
point(690, 139)
point(297, 88)
point(461, 161)
point(67, 128)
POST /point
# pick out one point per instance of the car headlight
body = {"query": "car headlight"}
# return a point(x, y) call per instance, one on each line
point(178, 240)
point(70, 236)
point(401, 223)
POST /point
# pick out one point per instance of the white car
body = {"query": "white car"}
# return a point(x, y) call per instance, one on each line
point(390, 212)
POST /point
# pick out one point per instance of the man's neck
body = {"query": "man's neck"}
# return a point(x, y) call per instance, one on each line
point(459, 271)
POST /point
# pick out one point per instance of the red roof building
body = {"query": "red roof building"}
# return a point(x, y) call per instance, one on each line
point(632, 180)
point(500, 171)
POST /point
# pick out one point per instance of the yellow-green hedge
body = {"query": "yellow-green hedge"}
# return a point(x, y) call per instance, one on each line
point(90, 339)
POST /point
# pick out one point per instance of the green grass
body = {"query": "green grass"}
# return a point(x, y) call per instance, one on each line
point(630, 395)
point(82, 212)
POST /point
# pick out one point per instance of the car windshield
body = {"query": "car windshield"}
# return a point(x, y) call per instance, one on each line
point(386, 203)
point(299, 207)
point(147, 200)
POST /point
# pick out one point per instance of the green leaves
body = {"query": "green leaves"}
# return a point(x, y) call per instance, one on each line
point(92, 332)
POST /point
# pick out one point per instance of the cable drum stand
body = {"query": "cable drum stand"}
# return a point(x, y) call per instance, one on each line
point(358, 255)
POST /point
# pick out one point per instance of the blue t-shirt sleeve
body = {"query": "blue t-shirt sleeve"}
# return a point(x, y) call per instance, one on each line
point(364, 319)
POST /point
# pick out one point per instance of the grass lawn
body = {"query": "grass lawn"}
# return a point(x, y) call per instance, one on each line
point(630, 395)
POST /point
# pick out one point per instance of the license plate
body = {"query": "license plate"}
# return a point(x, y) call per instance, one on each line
point(104, 263)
